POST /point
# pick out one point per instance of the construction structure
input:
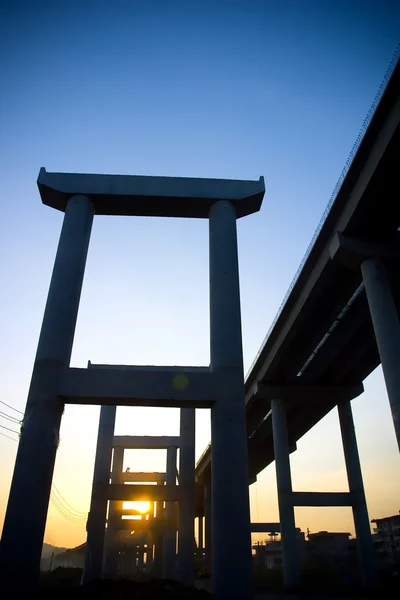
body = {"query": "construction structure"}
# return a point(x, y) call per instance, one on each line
point(171, 510)
point(219, 386)
point(338, 322)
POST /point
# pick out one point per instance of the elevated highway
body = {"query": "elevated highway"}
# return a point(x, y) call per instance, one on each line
point(323, 334)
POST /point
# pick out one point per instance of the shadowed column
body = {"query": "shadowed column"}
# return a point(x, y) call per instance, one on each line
point(356, 486)
point(386, 324)
point(230, 483)
point(208, 526)
point(23, 531)
point(187, 479)
point(110, 568)
point(290, 558)
point(200, 538)
point(169, 543)
point(98, 504)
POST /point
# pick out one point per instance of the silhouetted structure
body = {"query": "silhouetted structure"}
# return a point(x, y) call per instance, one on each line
point(219, 386)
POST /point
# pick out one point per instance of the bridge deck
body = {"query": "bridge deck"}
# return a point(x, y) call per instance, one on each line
point(323, 334)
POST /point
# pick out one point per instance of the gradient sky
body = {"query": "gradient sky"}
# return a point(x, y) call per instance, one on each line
point(230, 89)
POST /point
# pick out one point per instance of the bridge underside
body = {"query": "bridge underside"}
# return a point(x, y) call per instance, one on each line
point(324, 334)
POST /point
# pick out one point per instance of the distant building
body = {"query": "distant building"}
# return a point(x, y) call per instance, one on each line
point(387, 539)
point(270, 554)
point(324, 547)
point(328, 547)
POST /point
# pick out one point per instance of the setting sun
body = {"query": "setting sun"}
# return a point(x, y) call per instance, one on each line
point(142, 506)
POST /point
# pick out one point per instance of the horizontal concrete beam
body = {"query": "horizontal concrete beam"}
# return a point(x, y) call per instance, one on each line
point(351, 252)
point(322, 499)
point(265, 528)
point(142, 477)
point(131, 525)
point(144, 386)
point(151, 493)
point(145, 442)
point(150, 525)
point(166, 368)
point(139, 195)
point(310, 393)
point(130, 512)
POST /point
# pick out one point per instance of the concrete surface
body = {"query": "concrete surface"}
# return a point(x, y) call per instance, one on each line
point(137, 195)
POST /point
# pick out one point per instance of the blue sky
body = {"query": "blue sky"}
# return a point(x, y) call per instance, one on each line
point(230, 89)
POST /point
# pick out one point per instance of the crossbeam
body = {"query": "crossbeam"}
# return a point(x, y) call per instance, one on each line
point(151, 493)
point(351, 252)
point(143, 477)
point(139, 195)
point(322, 499)
point(144, 386)
point(145, 442)
point(149, 525)
point(310, 393)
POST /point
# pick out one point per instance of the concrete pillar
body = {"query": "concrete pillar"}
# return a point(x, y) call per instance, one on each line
point(187, 479)
point(290, 554)
point(110, 567)
point(208, 526)
point(386, 324)
point(360, 512)
point(158, 544)
point(140, 562)
point(230, 481)
point(149, 557)
point(169, 543)
point(200, 536)
point(34, 465)
point(98, 505)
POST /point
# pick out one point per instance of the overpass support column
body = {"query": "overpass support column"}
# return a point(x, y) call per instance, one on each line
point(34, 465)
point(200, 537)
point(98, 505)
point(187, 478)
point(356, 487)
point(208, 526)
point(114, 516)
point(290, 558)
point(230, 481)
point(169, 542)
point(387, 330)
point(158, 542)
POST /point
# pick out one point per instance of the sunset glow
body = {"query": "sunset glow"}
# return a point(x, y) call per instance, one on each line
point(142, 506)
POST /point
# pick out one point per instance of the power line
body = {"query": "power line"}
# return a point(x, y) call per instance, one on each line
point(60, 509)
point(72, 509)
point(12, 408)
point(60, 503)
point(8, 429)
point(8, 436)
point(5, 416)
